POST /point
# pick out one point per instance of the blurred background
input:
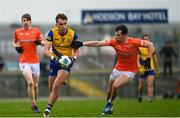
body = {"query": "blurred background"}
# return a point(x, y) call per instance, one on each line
point(92, 20)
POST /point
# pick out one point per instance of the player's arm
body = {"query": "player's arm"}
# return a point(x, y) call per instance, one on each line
point(40, 40)
point(16, 45)
point(94, 43)
point(15, 41)
point(140, 67)
point(46, 52)
point(156, 65)
point(75, 50)
point(150, 46)
point(155, 60)
point(78, 44)
point(48, 45)
point(138, 59)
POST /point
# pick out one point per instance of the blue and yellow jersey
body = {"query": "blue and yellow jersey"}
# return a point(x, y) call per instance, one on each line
point(143, 53)
point(61, 45)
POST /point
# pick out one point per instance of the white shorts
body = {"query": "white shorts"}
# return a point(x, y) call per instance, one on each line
point(33, 68)
point(116, 73)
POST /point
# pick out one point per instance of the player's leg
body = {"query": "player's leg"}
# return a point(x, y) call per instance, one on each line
point(150, 80)
point(36, 91)
point(114, 75)
point(108, 109)
point(110, 83)
point(51, 80)
point(27, 73)
point(36, 85)
point(62, 75)
point(36, 74)
point(141, 86)
point(122, 79)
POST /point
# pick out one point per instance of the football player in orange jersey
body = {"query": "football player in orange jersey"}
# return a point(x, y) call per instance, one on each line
point(126, 66)
point(26, 39)
point(58, 43)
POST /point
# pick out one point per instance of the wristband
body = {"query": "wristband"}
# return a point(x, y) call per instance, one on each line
point(75, 57)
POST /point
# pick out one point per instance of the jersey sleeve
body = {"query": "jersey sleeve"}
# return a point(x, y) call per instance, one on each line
point(109, 42)
point(75, 37)
point(15, 37)
point(40, 36)
point(49, 37)
point(138, 42)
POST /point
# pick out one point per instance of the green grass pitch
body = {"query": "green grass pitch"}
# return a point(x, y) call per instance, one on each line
point(92, 108)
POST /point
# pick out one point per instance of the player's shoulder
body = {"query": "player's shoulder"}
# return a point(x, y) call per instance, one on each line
point(110, 40)
point(133, 38)
point(35, 29)
point(54, 28)
point(19, 30)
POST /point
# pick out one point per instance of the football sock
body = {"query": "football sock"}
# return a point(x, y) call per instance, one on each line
point(48, 108)
point(110, 101)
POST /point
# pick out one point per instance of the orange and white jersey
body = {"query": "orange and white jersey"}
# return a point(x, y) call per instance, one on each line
point(127, 53)
point(26, 38)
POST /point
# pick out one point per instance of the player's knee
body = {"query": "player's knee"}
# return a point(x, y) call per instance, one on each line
point(150, 84)
point(141, 86)
point(31, 84)
point(115, 86)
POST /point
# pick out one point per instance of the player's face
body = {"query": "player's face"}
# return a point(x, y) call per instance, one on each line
point(62, 25)
point(146, 38)
point(120, 37)
point(26, 23)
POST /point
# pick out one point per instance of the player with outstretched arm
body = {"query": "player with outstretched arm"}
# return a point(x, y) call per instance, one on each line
point(126, 66)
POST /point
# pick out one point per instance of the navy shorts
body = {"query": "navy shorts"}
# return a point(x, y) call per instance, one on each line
point(147, 73)
point(54, 68)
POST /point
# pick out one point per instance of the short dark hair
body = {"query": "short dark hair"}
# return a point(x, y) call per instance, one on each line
point(122, 28)
point(145, 35)
point(61, 16)
point(27, 16)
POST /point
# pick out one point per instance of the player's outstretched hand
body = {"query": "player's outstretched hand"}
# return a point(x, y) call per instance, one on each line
point(19, 49)
point(76, 44)
point(37, 42)
point(147, 65)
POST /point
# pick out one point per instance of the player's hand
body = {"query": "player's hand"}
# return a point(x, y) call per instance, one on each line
point(157, 72)
point(76, 44)
point(19, 49)
point(73, 60)
point(37, 42)
point(56, 60)
point(146, 63)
